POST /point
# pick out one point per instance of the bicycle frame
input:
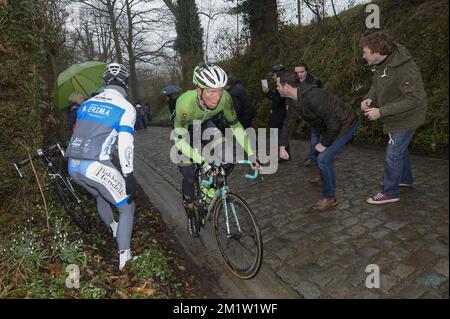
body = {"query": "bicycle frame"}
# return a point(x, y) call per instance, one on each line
point(223, 192)
point(54, 173)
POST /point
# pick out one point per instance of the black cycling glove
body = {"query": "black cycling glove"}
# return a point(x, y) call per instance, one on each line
point(130, 185)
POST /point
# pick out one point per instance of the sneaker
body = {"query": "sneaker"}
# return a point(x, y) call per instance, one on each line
point(124, 257)
point(315, 180)
point(381, 198)
point(325, 203)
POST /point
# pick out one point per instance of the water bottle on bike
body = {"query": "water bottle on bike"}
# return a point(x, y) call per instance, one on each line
point(208, 193)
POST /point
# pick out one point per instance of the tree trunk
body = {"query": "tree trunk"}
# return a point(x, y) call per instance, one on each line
point(111, 4)
point(263, 19)
point(131, 57)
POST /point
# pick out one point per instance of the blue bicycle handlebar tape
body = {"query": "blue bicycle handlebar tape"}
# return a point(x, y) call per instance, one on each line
point(255, 173)
point(209, 180)
point(254, 176)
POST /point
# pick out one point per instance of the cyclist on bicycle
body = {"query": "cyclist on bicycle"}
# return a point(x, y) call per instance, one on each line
point(101, 121)
point(203, 104)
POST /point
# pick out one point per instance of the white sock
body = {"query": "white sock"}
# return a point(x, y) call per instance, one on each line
point(113, 227)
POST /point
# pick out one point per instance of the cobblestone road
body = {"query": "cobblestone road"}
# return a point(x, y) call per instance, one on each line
point(324, 255)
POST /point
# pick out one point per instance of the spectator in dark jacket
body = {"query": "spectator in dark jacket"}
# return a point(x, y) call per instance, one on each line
point(75, 100)
point(245, 110)
point(140, 117)
point(147, 112)
point(278, 111)
point(335, 119)
point(304, 75)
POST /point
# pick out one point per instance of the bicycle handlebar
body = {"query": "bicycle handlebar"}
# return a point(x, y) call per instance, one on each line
point(51, 151)
point(209, 181)
point(255, 173)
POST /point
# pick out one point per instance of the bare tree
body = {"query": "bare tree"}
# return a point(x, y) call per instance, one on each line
point(56, 15)
point(136, 28)
point(128, 31)
point(317, 7)
point(347, 38)
point(111, 8)
point(92, 37)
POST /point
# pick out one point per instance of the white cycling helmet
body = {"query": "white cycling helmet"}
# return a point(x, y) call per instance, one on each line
point(116, 71)
point(209, 76)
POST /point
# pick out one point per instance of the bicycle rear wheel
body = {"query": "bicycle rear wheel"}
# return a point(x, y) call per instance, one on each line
point(74, 208)
point(239, 240)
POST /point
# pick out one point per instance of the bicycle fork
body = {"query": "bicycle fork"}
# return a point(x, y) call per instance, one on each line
point(67, 183)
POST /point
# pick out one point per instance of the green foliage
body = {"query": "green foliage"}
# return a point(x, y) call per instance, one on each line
point(260, 17)
point(90, 291)
point(153, 263)
point(189, 31)
point(66, 250)
point(24, 253)
point(28, 259)
point(22, 57)
point(161, 116)
point(421, 26)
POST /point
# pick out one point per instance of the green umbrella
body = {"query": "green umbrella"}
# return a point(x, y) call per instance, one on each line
point(85, 78)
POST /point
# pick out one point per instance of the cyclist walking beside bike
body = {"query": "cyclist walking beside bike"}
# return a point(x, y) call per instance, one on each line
point(102, 121)
point(208, 100)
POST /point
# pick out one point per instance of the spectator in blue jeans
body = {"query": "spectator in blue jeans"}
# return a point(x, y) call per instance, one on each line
point(304, 75)
point(335, 119)
point(316, 137)
point(397, 97)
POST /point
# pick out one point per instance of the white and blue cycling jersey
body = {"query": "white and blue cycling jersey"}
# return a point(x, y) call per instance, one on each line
point(101, 121)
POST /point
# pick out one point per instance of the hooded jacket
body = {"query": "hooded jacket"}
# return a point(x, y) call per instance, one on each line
point(398, 91)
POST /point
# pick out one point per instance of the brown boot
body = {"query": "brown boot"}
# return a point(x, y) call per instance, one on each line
point(315, 180)
point(325, 203)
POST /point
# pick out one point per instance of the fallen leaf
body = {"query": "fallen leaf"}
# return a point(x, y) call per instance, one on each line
point(143, 291)
point(122, 295)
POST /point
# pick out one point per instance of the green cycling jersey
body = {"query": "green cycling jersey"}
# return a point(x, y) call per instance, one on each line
point(188, 110)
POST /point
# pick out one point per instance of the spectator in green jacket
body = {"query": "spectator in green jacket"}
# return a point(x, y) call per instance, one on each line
point(397, 97)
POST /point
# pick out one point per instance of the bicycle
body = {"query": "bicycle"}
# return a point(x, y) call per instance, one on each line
point(235, 228)
point(72, 202)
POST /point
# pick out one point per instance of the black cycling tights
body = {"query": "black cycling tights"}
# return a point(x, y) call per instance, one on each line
point(188, 173)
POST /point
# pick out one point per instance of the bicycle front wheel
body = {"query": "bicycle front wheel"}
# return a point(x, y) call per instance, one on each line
point(74, 208)
point(238, 236)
